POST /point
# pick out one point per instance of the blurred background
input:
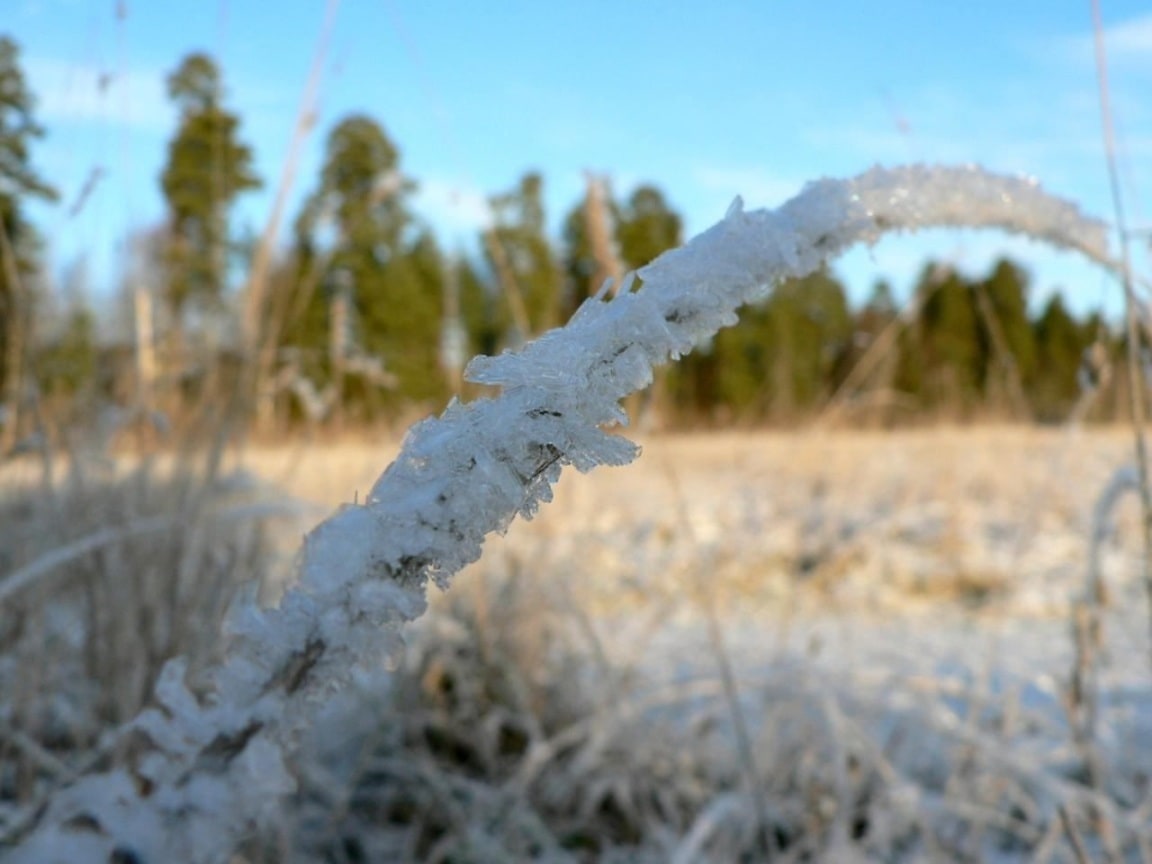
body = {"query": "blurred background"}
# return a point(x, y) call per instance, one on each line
point(878, 589)
point(343, 202)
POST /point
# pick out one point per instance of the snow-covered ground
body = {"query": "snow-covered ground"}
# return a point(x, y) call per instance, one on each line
point(893, 612)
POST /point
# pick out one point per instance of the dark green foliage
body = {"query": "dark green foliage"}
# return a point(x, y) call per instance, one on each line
point(361, 191)
point(67, 363)
point(1006, 339)
point(580, 265)
point(294, 285)
point(1060, 346)
point(1007, 291)
point(208, 167)
point(360, 303)
point(952, 342)
point(691, 389)
point(356, 236)
point(644, 227)
point(480, 308)
point(519, 250)
point(745, 377)
point(400, 316)
point(870, 323)
point(942, 359)
point(973, 349)
point(779, 363)
point(647, 227)
point(18, 128)
point(779, 360)
point(19, 245)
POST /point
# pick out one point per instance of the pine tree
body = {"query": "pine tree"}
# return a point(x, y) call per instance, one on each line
point(300, 353)
point(869, 323)
point(522, 257)
point(645, 227)
point(582, 270)
point(752, 366)
point(403, 325)
point(1007, 340)
point(66, 363)
point(780, 361)
point(823, 334)
point(866, 367)
point(19, 245)
point(208, 167)
point(480, 308)
point(1060, 344)
point(1007, 289)
point(357, 236)
point(949, 342)
point(648, 226)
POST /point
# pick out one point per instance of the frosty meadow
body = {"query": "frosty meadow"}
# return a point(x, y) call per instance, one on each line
point(204, 770)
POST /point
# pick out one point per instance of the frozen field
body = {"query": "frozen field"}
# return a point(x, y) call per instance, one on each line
point(895, 606)
point(815, 646)
point(994, 520)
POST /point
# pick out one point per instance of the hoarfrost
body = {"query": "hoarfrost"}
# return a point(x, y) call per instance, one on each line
point(209, 769)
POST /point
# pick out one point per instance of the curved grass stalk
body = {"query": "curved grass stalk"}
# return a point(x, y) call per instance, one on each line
point(206, 769)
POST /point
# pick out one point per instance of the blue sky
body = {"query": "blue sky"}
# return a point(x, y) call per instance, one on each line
point(707, 100)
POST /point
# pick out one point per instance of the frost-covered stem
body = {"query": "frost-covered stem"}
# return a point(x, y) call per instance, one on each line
point(1131, 311)
point(1088, 626)
point(206, 770)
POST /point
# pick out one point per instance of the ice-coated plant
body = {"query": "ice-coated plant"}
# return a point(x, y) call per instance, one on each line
point(207, 765)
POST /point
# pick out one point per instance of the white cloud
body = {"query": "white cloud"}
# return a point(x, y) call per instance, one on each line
point(36, 8)
point(94, 94)
point(1130, 39)
point(456, 209)
point(1127, 42)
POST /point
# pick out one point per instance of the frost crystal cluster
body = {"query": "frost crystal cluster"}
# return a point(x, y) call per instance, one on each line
point(204, 771)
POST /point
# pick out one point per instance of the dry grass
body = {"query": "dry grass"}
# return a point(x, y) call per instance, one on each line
point(897, 610)
point(108, 570)
point(894, 617)
point(972, 506)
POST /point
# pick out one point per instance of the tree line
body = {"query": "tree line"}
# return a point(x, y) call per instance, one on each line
point(364, 316)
